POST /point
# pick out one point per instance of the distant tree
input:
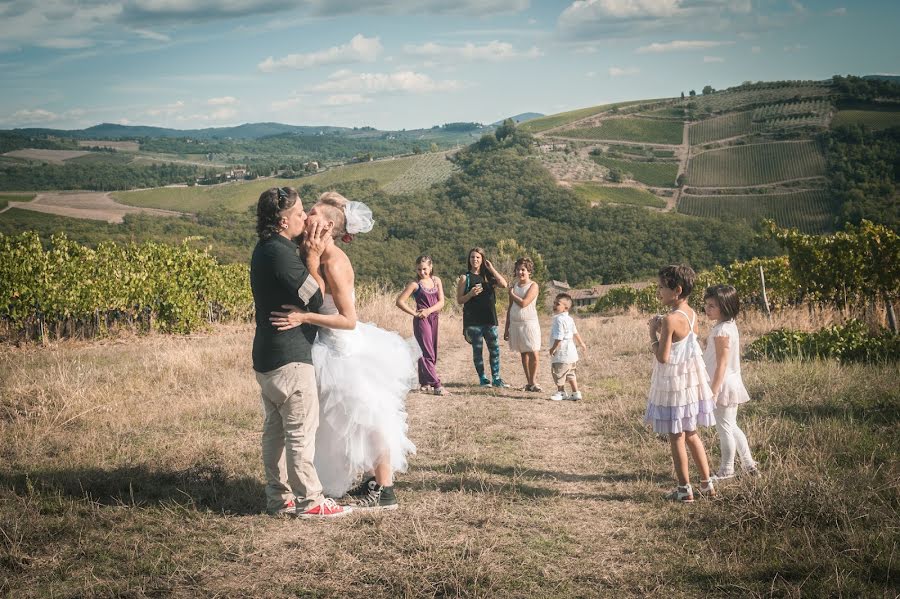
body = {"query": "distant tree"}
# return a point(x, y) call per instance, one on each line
point(416, 149)
point(505, 130)
point(434, 147)
point(692, 93)
point(616, 175)
point(682, 95)
point(708, 89)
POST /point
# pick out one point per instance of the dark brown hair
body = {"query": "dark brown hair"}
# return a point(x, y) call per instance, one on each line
point(678, 275)
point(270, 208)
point(525, 261)
point(425, 259)
point(564, 296)
point(484, 272)
point(727, 298)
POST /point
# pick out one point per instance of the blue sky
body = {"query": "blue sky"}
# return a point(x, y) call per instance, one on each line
point(395, 64)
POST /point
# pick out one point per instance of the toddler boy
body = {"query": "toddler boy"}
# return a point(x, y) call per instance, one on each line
point(563, 353)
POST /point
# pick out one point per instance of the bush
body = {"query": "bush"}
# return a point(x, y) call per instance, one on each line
point(848, 342)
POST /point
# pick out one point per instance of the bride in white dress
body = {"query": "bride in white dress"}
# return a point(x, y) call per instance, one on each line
point(363, 372)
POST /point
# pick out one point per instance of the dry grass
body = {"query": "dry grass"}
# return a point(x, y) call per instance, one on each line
point(131, 468)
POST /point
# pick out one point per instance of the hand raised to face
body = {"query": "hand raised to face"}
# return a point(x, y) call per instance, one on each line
point(316, 238)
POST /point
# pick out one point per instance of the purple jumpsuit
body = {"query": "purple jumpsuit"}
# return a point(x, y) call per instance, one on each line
point(426, 332)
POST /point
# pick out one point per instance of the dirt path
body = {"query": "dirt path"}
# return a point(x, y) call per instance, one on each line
point(87, 205)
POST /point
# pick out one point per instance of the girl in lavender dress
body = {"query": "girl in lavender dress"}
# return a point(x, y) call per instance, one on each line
point(428, 292)
point(680, 396)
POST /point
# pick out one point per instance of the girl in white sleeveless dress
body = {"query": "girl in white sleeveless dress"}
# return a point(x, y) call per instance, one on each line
point(363, 373)
point(523, 331)
point(680, 399)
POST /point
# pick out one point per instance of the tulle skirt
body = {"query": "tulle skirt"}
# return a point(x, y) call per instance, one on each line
point(363, 377)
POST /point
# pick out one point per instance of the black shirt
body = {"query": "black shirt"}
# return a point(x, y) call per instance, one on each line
point(480, 310)
point(278, 276)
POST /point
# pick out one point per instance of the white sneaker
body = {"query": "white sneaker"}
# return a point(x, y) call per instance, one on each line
point(574, 396)
point(558, 396)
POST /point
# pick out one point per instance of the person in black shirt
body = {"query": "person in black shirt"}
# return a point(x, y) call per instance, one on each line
point(475, 291)
point(282, 360)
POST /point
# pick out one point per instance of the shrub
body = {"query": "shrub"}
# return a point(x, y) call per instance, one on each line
point(848, 342)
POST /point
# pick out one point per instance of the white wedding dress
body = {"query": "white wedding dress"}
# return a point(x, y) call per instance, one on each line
point(363, 376)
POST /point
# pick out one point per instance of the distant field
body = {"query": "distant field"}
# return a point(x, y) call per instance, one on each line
point(657, 174)
point(51, 156)
point(873, 119)
point(6, 198)
point(631, 129)
point(756, 164)
point(409, 174)
point(670, 112)
point(595, 192)
point(722, 127)
point(734, 100)
point(809, 211)
point(122, 146)
point(102, 158)
point(564, 118)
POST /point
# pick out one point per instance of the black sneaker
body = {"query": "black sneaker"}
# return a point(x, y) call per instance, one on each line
point(379, 498)
point(364, 487)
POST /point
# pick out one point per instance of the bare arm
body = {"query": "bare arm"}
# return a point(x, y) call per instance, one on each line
point(506, 326)
point(723, 348)
point(661, 333)
point(402, 299)
point(339, 273)
point(555, 346)
point(461, 295)
point(500, 279)
point(580, 341)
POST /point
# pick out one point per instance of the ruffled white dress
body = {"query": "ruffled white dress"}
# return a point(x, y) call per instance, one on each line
point(733, 391)
point(680, 397)
point(363, 376)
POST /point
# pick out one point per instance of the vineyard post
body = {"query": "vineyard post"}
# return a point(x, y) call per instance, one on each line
point(892, 318)
point(765, 299)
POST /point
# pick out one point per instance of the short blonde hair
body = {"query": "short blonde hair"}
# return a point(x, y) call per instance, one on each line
point(334, 204)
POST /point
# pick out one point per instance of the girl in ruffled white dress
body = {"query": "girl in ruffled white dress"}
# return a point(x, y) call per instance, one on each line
point(523, 331)
point(363, 373)
point(723, 363)
point(680, 397)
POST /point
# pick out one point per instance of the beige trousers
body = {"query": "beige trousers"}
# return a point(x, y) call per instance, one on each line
point(291, 410)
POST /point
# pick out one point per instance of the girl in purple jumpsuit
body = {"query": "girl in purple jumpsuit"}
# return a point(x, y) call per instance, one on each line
point(428, 292)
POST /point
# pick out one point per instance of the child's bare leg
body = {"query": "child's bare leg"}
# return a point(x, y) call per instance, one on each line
point(384, 475)
point(525, 367)
point(698, 452)
point(679, 456)
point(573, 382)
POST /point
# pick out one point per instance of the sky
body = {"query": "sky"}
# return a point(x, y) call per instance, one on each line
point(407, 64)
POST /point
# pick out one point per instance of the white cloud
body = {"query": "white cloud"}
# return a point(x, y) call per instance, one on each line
point(223, 114)
point(837, 12)
point(756, 49)
point(402, 81)
point(166, 110)
point(346, 99)
point(679, 45)
point(494, 51)
point(471, 8)
point(65, 43)
point(358, 49)
point(709, 59)
point(151, 35)
point(223, 101)
point(37, 115)
point(623, 71)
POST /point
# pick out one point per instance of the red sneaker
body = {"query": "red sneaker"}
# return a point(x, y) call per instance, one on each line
point(326, 509)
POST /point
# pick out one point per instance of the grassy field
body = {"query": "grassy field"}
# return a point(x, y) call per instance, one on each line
point(809, 211)
point(129, 471)
point(756, 164)
point(722, 127)
point(657, 174)
point(733, 100)
point(631, 129)
point(595, 192)
point(564, 118)
point(49, 156)
point(407, 174)
point(873, 119)
point(6, 198)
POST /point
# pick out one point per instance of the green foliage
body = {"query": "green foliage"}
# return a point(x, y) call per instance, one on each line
point(97, 176)
point(874, 118)
point(11, 141)
point(564, 118)
point(849, 342)
point(809, 211)
point(6, 198)
point(852, 266)
point(631, 129)
point(623, 298)
point(863, 174)
point(722, 127)
point(866, 90)
point(79, 290)
point(657, 174)
point(756, 164)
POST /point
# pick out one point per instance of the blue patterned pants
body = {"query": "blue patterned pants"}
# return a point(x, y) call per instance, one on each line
point(476, 335)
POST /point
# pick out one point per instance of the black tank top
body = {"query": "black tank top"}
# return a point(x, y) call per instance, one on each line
point(480, 310)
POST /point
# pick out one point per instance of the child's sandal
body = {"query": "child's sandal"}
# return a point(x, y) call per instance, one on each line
point(708, 488)
point(681, 494)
